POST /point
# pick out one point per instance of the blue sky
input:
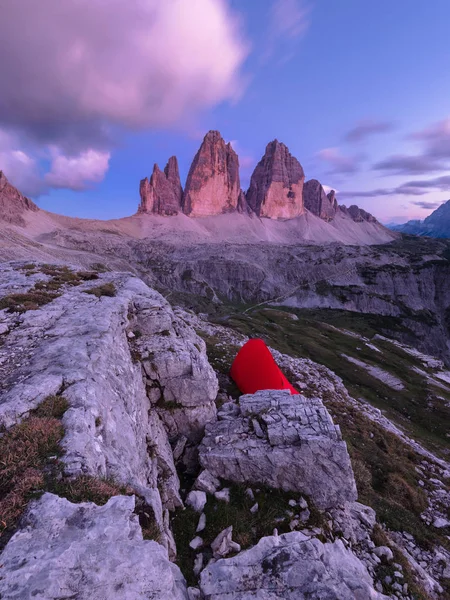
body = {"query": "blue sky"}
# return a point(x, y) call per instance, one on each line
point(359, 90)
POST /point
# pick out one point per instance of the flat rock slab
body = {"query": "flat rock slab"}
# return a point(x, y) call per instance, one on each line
point(87, 552)
point(282, 441)
point(292, 567)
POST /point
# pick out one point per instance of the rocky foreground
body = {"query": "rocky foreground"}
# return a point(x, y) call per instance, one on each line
point(253, 499)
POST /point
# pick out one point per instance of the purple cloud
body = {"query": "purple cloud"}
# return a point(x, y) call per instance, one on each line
point(434, 155)
point(367, 128)
point(409, 188)
point(93, 68)
point(403, 164)
point(338, 162)
point(77, 172)
point(436, 139)
point(427, 205)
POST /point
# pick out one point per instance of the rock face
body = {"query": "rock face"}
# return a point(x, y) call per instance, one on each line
point(317, 202)
point(79, 343)
point(242, 205)
point(290, 566)
point(162, 195)
point(66, 550)
point(332, 198)
point(276, 186)
point(213, 185)
point(282, 441)
point(13, 204)
point(358, 214)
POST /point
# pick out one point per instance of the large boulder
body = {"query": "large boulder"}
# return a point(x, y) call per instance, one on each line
point(163, 193)
point(85, 551)
point(276, 186)
point(290, 566)
point(282, 441)
point(213, 185)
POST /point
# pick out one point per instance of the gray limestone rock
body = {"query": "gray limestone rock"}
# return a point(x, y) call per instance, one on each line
point(85, 551)
point(292, 567)
point(302, 450)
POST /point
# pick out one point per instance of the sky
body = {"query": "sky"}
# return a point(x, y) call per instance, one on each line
point(94, 92)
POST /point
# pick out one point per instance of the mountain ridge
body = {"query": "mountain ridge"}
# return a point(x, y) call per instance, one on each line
point(437, 224)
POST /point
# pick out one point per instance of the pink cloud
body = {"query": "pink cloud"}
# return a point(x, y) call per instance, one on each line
point(76, 74)
point(77, 172)
point(339, 163)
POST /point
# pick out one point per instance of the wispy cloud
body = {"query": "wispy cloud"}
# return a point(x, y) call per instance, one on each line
point(367, 128)
point(434, 154)
point(338, 162)
point(289, 21)
point(403, 164)
point(427, 205)
point(409, 188)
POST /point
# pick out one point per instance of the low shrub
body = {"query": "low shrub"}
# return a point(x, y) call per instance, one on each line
point(107, 289)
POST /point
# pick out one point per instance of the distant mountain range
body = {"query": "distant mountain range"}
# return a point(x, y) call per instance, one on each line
point(435, 225)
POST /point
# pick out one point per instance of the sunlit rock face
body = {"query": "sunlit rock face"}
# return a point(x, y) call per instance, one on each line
point(163, 193)
point(276, 186)
point(213, 186)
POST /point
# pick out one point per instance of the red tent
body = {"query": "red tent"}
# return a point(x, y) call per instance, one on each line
point(254, 369)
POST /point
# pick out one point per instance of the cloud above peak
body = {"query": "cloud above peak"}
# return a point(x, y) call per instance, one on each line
point(338, 162)
point(99, 65)
point(81, 72)
point(367, 128)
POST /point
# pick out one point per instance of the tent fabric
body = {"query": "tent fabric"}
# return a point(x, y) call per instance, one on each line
point(254, 369)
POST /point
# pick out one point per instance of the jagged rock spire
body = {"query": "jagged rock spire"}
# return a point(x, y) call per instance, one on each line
point(162, 195)
point(317, 202)
point(213, 184)
point(276, 186)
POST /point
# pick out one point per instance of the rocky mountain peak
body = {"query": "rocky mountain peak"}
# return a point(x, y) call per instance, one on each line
point(359, 215)
point(317, 202)
point(163, 193)
point(13, 204)
point(276, 186)
point(213, 185)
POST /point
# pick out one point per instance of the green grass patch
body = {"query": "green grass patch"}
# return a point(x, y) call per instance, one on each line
point(248, 528)
point(107, 289)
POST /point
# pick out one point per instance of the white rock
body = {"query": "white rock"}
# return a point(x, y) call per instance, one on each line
point(207, 482)
point(302, 503)
point(440, 522)
point(250, 493)
point(3, 328)
point(196, 543)
point(292, 503)
point(98, 551)
point(223, 495)
point(196, 499)
point(254, 508)
point(201, 523)
point(292, 567)
point(223, 544)
point(301, 451)
point(198, 563)
point(194, 593)
point(384, 552)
